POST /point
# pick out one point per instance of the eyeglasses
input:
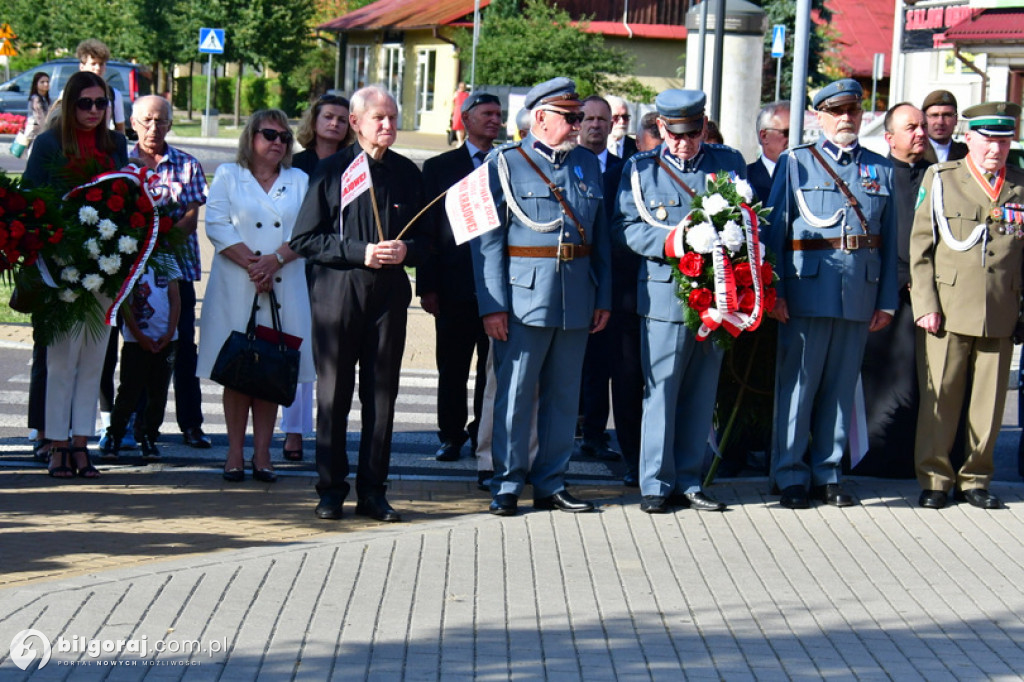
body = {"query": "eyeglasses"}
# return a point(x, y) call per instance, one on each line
point(691, 135)
point(85, 104)
point(848, 110)
point(271, 135)
point(574, 118)
point(621, 117)
point(784, 131)
point(150, 122)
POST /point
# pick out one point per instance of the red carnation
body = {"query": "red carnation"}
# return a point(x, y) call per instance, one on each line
point(767, 274)
point(691, 264)
point(57, 236)
point(16, 203)
point(38, 208)
point(142, 204)
point(94, 194)
point(165, 225)
point(769, 300)
point(32, 242)
point(3, 239)
point(137, 221)
point(17, 229)
point(741, 271)
point(115, 203)
point(700, 299)
point(120, 187)
point(746, 300)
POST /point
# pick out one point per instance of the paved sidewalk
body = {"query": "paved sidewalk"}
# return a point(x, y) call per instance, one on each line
point(881, 591)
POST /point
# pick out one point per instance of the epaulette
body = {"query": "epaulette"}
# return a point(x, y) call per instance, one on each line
point(805, 145)
point(947, 165)
point(508, 145)
point(640, 156)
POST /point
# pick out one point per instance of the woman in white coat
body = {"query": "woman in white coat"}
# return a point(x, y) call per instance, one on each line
point(250, 215)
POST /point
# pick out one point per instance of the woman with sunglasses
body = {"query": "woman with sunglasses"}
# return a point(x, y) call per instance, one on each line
point(249, 218)
point(74, 149)
point(324, 130)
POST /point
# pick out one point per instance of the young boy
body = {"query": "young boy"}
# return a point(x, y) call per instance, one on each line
point(150, 332)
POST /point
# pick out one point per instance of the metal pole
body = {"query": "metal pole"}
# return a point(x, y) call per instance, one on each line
point(702, 41)
point(778, 78)
point(476, 39)
point(896, 75)
point(716, 67)
point(798, 92)
point(209, 84)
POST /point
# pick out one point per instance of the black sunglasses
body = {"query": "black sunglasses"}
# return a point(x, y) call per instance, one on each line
point(271, 135)
point(784, 131)
point(572, 119)
point(691, 135)
point(85, 104)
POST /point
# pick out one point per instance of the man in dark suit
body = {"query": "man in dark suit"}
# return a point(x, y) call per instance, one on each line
point(614, 353)
point(940, 116)
point(445, 282)
point(619, 143)
point(773, 136)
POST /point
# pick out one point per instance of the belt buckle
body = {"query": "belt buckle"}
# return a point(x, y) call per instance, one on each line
point(566, 252)
point(852, 242)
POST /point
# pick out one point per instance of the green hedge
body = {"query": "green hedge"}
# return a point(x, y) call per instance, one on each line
point(257, 93)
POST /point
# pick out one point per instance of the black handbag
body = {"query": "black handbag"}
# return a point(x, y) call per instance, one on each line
point(267, 370)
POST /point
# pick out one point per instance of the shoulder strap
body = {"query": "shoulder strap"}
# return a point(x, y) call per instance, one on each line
point(558, 195)
point(679, 181)
point(854, 204)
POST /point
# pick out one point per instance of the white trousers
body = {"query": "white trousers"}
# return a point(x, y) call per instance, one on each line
point(73, 368)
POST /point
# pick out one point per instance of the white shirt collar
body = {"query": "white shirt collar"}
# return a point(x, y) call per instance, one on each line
point(769, 164)
point(941, 150)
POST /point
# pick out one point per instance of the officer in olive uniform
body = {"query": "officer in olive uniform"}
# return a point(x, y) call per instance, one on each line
point(965, 259)
point(681, 373)
point(543, 281)
point(833, 230)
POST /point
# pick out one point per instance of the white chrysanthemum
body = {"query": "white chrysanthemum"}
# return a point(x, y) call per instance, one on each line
point(93, 247)
point(701, 238)
point(110, 264)
point(733, 237)
point(70, 275)
point(714, 204)
point(67, 295)
point(88, 215)
point(127, 244)
point(107, 229)
point(744, 189)
point(92, 282)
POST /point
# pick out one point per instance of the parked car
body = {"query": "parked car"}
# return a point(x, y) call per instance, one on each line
point(132, 80)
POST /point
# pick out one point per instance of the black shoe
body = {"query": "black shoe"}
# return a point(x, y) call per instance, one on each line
point(698, 500)
point(448, 452)
point(150, 453)
point(653, 504)
point(195, 438)
point(235, 475)
point(483, 480)
point(264, 475)
point(377, 508)
point(832, 493)
point(563, 501)
point(109, 446)
point(978, 497)
point(598, 449)
point(330, 507)
point(933, 499)
point(505, 504)
point(631, 480)
point(794, 497)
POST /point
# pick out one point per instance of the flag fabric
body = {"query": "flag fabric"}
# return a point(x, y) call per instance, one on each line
point(354, 181)
point(470, 206)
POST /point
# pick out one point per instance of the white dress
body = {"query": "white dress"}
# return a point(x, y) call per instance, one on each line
point(238, 210)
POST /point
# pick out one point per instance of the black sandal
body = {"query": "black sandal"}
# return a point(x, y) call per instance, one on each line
point(292, 455)
point(63, 470)
point(88, 471)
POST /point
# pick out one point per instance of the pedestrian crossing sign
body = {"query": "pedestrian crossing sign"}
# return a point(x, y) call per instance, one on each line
point(211, 41)
point(778, 40)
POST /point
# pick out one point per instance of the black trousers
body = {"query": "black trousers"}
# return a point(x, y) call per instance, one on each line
point(627, 383)
point(359, 318)
point(460, 331)
point(188, 398)
point(142, 373)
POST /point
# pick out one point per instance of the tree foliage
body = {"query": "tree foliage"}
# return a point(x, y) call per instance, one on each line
point(541, 42)
point(822, 67)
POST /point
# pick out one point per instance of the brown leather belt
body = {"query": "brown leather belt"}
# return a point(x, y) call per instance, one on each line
point(853, 242)
point(564, 252)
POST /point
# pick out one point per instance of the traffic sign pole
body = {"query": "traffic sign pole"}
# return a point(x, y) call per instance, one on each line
point(211, 42)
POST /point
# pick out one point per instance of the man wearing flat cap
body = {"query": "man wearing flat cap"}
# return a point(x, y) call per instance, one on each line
point(965, 259)
point(681, 373)
point(445, 282)
point(543, 282)
point(940, 116)
point(833, 231)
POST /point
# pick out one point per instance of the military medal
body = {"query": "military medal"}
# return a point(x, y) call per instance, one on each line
point(661, 213)
point(1012, 217)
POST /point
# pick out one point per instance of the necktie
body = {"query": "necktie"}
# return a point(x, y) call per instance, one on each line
point(479, 157)
point(990, 178)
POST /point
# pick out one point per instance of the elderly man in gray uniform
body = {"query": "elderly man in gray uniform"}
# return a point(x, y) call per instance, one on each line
point(543, 282)
point(681, 373)
point(833, 230)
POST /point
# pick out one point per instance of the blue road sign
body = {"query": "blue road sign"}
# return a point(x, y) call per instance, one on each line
point(211, 41)
point(778, 40)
